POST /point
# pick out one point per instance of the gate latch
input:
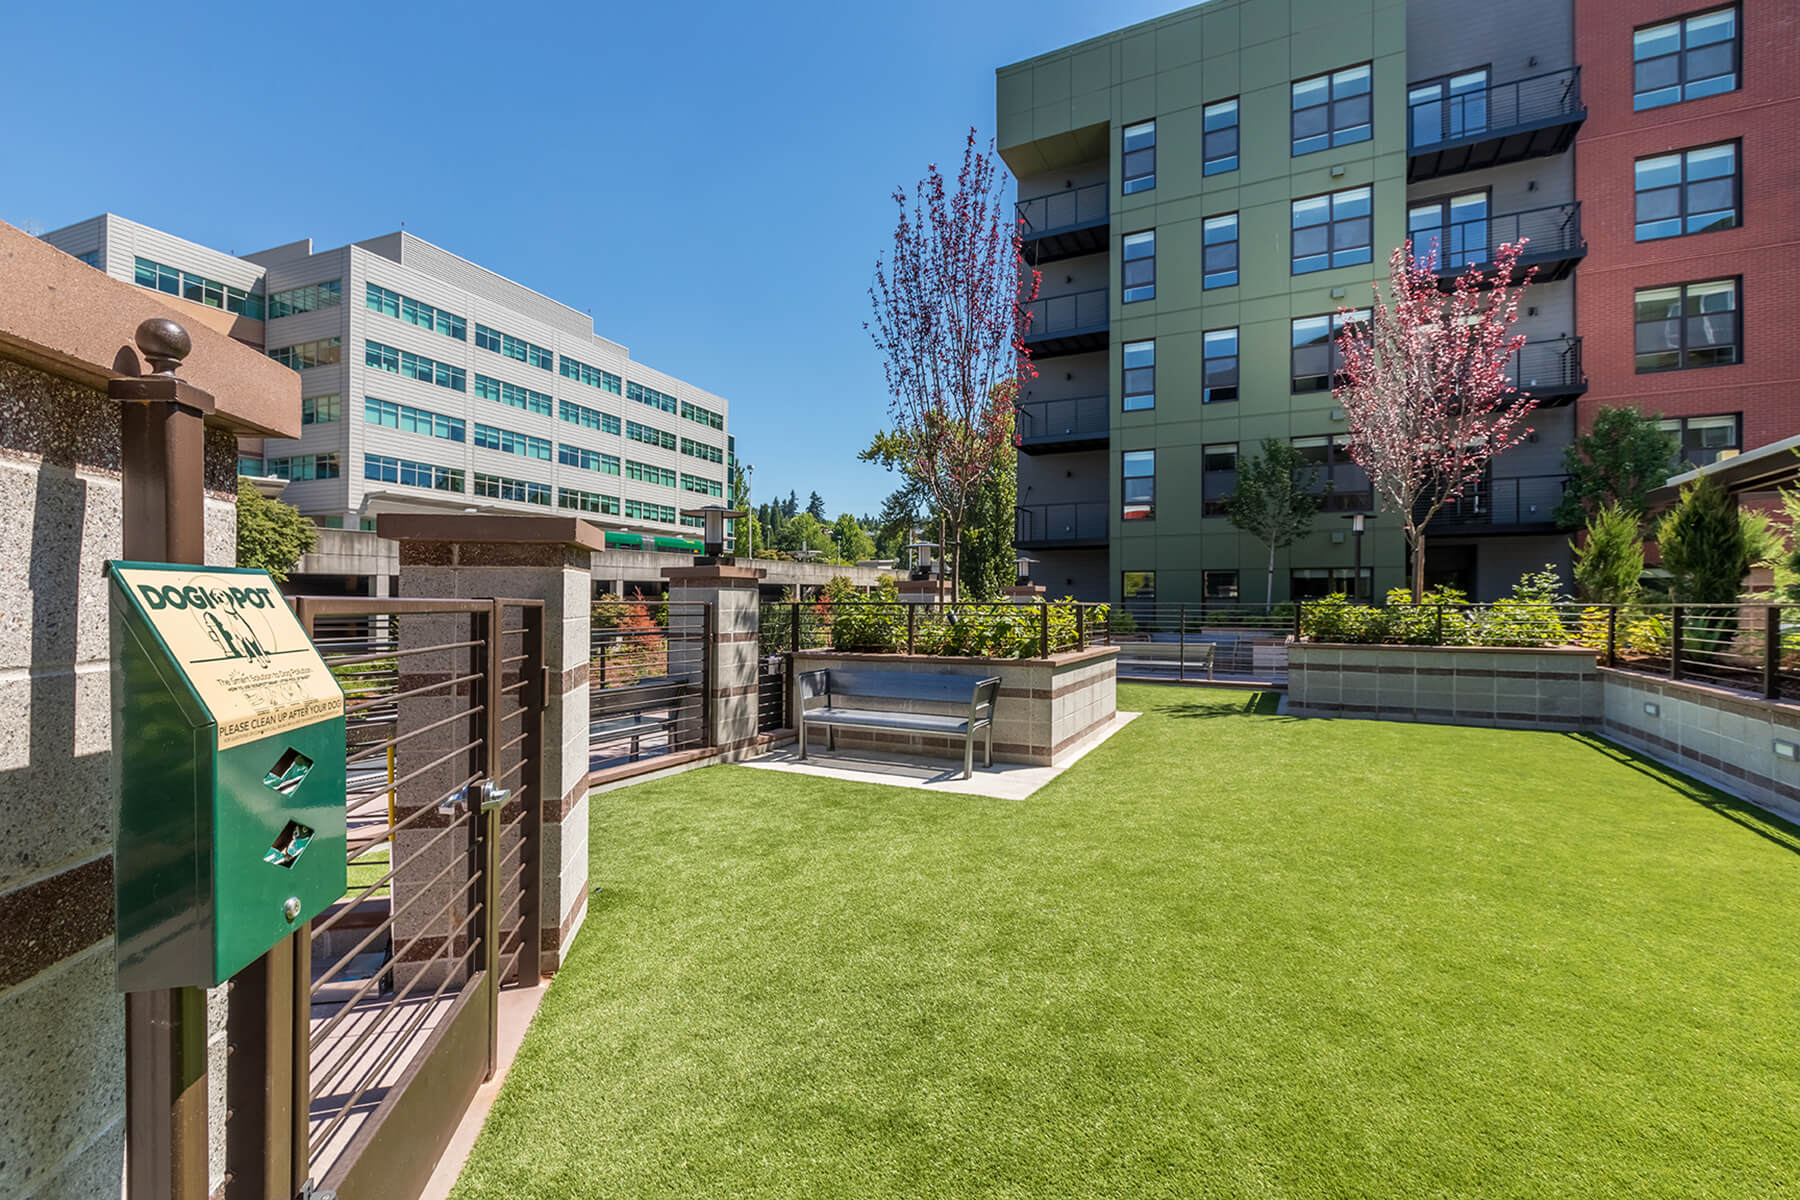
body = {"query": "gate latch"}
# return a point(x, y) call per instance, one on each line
point(492, 795)
point(308, 1191)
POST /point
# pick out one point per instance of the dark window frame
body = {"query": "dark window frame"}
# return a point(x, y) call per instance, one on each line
point(1334, 357)
point(1237, 367)
point(1442, 202)
point(1681, 57)
point(1681, 189)
point(1126, 373)
point(1682, 349)
point(1207, 244)
point(1211, 506)
point(1125, 481)
point(1125, 265)
point(1330, 226)
point(1445, 97)
point(1337, 454)
point(1126, 178)
point(1330, 106)
point(1209, 164)
point(1682, 450)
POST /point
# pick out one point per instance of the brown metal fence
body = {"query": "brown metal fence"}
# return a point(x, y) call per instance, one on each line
point(647, 685)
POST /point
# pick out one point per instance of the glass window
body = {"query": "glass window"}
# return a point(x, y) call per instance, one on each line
point(592, 502)
point(310, 298)
point(508, 441)
point(1219, 256)
point(1445, 110)
point(1140, 485)
point(1219, 142)
point(1219, 367)
point(1331, 110)
point(1316, 583)
point(1219, 587)
point(1692, 191)
point(1140, 376)
point(1138, 270)
point(594, 377)
point(1140, 157)
point(320, 410)
point(1686, 59)
point(1332, 231)
point(1218, 477)
point(1693, 325)
point(408, 419)
point(1316, 357)
point(1449, 234)
point(1138, 590)
point(301, 355)
point(1330, 473)
point(519, 491)
point(1704, 440)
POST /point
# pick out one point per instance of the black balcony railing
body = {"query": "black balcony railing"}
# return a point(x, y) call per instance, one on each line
point(1048, 426)
point(1076, 208)
point(1046, 525)
point(1554, 241)
point(1068, 324)
point(1549, 370)
point(1448, 131)
point(1521, 501)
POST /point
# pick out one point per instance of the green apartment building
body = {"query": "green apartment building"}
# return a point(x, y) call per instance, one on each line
point(1202, 193)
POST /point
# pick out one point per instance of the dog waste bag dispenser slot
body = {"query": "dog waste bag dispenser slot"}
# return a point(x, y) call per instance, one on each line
point(228, 741)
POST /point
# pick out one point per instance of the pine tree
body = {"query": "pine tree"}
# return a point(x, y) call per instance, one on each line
point(1704, 545)
point(1610, 561)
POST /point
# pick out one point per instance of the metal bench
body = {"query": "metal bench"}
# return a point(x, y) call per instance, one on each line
point(649, 706)
point(1195, 653)
point(830, 697)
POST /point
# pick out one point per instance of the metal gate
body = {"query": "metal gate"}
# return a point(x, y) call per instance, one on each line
point(394, 991)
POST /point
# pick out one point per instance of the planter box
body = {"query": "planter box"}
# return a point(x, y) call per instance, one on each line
point(1518, 687)
point(1046, 705)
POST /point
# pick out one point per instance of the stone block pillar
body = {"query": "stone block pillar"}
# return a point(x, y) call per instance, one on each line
point(733, 594)
point(528, 558)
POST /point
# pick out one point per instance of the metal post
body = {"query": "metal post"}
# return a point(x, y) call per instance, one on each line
point(1298, 605)
point(1675, 635)
point(1612, 635)
point(535, 696)
point(912, 614)
point(1080, 626)
point(1043, 631)
point(709, 675)
point(1181, 643)
point(162, 445)
point(1772, 652)
point(794, 628)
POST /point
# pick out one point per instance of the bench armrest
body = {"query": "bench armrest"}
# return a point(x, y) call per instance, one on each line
point(812, 686)
point(985, 694)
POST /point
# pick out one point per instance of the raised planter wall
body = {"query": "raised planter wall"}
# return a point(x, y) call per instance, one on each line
point(1046, 705)
point(1505, 686)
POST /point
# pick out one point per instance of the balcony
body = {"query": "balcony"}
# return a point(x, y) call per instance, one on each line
point(1075, 323)
point(1555, 242)
point(1521, 504)
point(1549, 371)
point(1061, 426)
point(1060, 526)
point(1064, 224)
point(1448, 131)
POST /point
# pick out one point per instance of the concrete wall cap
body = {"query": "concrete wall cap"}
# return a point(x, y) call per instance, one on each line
point(486, 528)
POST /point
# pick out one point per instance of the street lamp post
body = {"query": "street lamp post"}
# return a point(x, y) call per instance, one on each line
point(1358, 521)
point(715, 516)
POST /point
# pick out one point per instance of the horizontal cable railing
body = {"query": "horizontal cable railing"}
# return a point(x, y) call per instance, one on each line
point(1202, 641)
point(1048, 420)
point(1435, 118)
point(1520, 500)
point(961, 628)
point(1074, 312)
point(1553, 231)
point(647, 682)
point(1060, 524)
point(1068, 209)
point(1548, 367)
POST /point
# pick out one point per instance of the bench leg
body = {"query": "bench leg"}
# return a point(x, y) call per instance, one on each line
point(969, 755)
point(988, 756)
point(831, 737)
point(634, 747)
point(802, 724)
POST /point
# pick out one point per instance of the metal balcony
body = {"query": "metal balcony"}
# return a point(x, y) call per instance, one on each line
point(1549, 371)
point(1075, 323)
point(1501, 123)
point(1064, 224)
point(1521, 504)
point(1062, 426)
point(1555, 242)
point(1060, 526)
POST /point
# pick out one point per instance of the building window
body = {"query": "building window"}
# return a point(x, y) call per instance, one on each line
point(1316, 357)
point(90, 257)
point(587, 460)
point(588, 502)
point(1686, 59)
point(197, 288)
point(517, 349)
point(1693, 191)
point(250, 464)
point(1316, 583)
point(648, 473)
point(645, 510)
point(1704, 440)
point(1140, 376)
point(1449, 233)
point(1341, 485)
point(415, 312)
point(1444, 110)
point(1140, 157)
point(1694, 325)
point(414, 366)
point(519, 491)
point(1331, 110)
point(1138, 270)
point(1219, 142)
point(1218, 477)
point(694, 449)
point(298, 357)
point(1219, 254)
point(383, 469)
point(513, 396)
point(490, 437)
point(305, 466)
point(320, 410)
point(649, 436)
point(594, 377)
point(588, 418)
point(1138, 590)
point(1140, 485)
point(661, 401)
point(314, 296)
point(1219, 367)
point(1219, 586)
point(1332, 231)
point(701, 485)
point(702, 416)
point(408, 419)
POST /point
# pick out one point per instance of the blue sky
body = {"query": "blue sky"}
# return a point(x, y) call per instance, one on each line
point(711, 179)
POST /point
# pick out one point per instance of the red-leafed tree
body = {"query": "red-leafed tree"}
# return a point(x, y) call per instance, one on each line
point(1427, 388)
point(951, 309)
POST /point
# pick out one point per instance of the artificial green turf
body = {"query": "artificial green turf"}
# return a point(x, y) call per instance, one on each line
point(1227, 954)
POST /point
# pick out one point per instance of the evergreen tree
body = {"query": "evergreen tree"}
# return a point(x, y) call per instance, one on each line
point(270, 534)
point(1704, 544)
point(1625, 457)
point(790, 508)
point(1610, 560)
point(815, 508)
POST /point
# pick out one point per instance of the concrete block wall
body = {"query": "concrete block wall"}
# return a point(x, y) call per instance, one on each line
point(62, 1059)
point(1503, 686)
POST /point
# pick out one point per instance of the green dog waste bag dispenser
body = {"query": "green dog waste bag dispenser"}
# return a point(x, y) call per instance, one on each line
point(228, 743)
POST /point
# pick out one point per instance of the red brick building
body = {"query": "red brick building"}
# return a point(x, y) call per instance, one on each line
point(1689, 169)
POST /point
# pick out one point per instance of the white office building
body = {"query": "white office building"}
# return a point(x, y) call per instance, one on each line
point(431, 384)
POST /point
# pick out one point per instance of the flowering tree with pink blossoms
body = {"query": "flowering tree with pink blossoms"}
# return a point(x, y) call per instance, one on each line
point(1426, 386)
point(951, 310)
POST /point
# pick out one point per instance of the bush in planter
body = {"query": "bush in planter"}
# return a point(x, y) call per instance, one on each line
point(1335, 619)
point(1528, 617)
point(875, 624)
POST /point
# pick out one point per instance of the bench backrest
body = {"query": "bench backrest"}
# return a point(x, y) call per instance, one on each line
point(659, 691)
point(840, 684)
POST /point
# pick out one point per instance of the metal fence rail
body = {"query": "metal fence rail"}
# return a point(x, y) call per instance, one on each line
point(647, 685)
point(1202, 641)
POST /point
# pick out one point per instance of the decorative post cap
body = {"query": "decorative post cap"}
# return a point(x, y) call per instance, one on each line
point(164, 343)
